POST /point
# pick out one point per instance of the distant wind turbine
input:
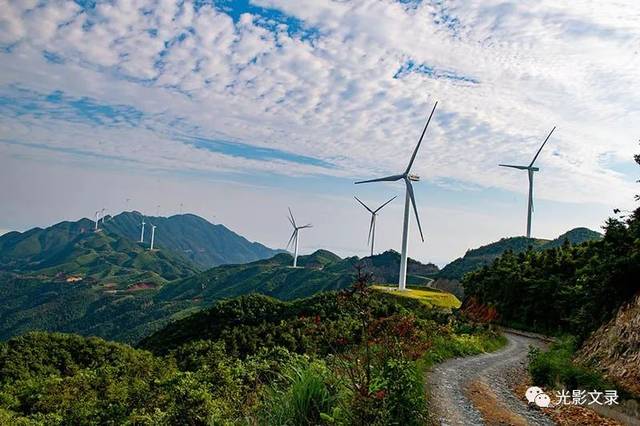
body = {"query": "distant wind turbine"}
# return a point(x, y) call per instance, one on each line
point(407, 177)
point(372, 226)
point(97, 218)
point(142, 232)
point(295, 236)
point(530, 170)
point(153, 234)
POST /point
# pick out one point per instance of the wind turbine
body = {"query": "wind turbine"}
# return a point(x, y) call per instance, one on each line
point(97, 219)
point(372, 226)
point(296, 231)
point(530, 170)
point(142, 232)
point(153, 234)
point(407, 177)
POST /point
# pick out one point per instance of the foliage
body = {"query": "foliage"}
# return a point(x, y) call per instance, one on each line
point(485, 255)
point(428, 296)
point(570, 289)
point(555, 368)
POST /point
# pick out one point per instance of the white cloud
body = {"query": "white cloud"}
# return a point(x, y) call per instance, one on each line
point(333, 96)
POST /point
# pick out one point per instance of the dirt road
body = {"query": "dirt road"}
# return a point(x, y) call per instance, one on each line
point(476, 390)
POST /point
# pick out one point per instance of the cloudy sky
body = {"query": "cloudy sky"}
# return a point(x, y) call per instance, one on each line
point(238, 109)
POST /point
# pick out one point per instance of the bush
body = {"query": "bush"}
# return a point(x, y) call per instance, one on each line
point(555, 368)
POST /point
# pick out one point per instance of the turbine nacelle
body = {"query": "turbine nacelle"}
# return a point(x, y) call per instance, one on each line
point(413, 178)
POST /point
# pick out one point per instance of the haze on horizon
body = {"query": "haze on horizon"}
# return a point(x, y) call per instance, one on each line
point(239, 109)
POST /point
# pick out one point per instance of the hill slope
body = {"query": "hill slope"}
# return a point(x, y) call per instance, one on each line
point(203, 243)
point(484, 255)
point(614, 348)
point(131, 309)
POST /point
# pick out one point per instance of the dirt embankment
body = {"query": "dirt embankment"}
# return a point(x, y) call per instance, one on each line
point(614, 348)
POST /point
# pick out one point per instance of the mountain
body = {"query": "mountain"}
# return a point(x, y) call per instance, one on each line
point(72, 252)
point(206, 245)
point(188, 236)
point(129, 309)
point(484, 255)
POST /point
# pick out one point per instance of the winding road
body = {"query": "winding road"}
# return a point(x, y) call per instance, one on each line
point(477, 390)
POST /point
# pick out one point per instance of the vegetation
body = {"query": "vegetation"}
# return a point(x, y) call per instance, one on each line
point(568, 289)
point(349, 357)
point(116, 299)
point(555, 368)
point(485, 255)
point(428, 296)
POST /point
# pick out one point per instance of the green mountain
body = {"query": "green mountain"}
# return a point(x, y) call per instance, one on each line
point(134, 306)
point(188, 236)
point(95, 256)
point(477, 258)
point(192, 237)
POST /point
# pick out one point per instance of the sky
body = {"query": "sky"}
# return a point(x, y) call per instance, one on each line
point(240, 109)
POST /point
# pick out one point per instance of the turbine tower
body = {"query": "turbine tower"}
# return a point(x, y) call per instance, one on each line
point(372, 226)
point(530, 170)
point(153, 234)
point(142, 232)
point(407, 177)
point(295, 236)
point(97, 219)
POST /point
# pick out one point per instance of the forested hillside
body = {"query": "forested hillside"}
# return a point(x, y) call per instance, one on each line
point(125, 303)
point(568, 289)
point(349, 357)
point(476, 258)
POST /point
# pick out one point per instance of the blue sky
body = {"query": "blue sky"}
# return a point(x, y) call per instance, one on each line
point(243, 108)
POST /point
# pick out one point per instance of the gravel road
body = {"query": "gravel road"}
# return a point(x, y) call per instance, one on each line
point(476, 390)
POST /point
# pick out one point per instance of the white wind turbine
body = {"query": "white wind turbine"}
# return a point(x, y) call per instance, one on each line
point(153, 234)
point(409, 198)
point(372, 226)
point(295, 236)
point(97, 218)
point(142, 232)
point(530, 170)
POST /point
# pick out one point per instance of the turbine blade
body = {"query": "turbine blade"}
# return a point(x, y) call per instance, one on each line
point(543, 143)
point(293, 221)
point(415, 209)
point(371, 225)
point(291, 239)
point(363, 204)
point(380, 208)
point(415, 151)
point(308, 225)
point(514, 167)
point(383, 179)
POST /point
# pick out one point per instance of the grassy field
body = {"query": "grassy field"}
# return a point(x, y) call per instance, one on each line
point(431, 297)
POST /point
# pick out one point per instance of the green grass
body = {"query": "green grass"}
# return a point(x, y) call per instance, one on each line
point(459, 345)
point(430, 297)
